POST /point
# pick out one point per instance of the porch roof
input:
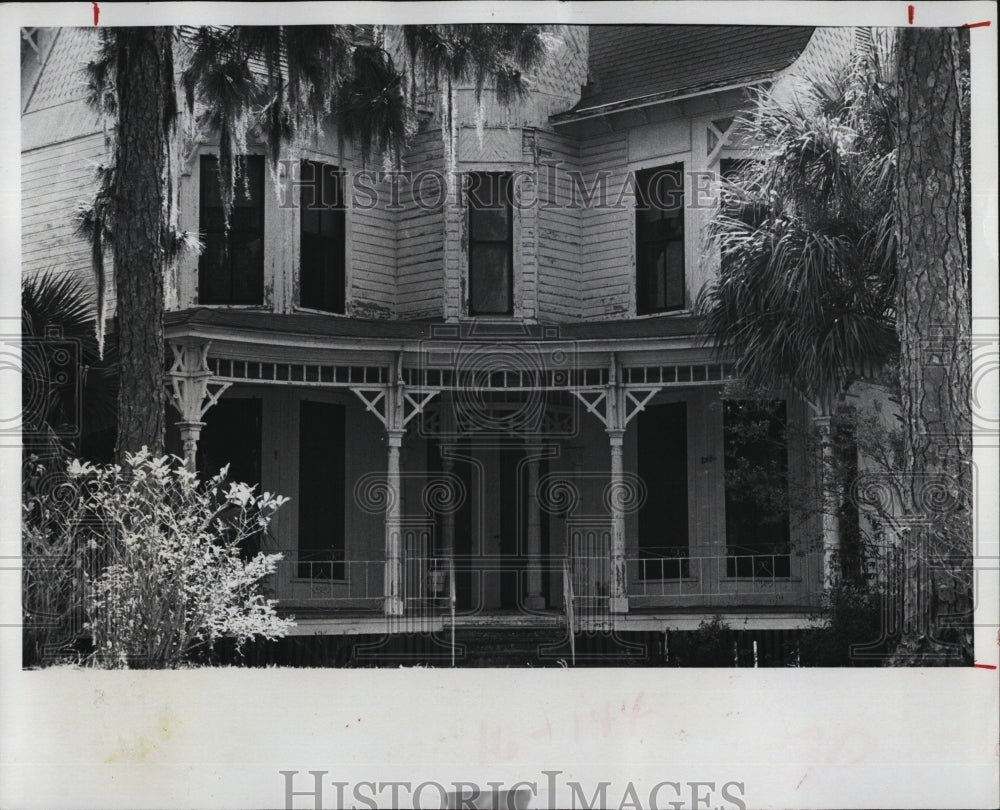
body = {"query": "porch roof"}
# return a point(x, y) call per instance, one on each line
point(313, 325)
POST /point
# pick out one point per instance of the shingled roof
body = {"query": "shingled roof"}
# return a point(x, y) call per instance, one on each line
point(636, 63)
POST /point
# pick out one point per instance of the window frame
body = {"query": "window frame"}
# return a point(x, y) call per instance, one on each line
point(642, 243)
point(339, 242)
point(508, 191)
point(232, 234)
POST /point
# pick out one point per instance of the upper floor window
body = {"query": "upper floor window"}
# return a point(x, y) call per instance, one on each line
point(659, 239)
point(321, 204)
point(491, 244)
point(231, 266)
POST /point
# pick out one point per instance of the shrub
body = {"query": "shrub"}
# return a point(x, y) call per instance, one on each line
point(164, 551)
point(711, 645)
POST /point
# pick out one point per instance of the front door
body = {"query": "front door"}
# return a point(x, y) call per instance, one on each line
point(491, 527)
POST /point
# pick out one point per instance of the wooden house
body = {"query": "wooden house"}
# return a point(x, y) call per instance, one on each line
point(480, 381)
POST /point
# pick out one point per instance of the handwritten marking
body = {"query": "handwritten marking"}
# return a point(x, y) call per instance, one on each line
point(97, 12)
point(985, 666)
point(909, 14)
point(983, 24)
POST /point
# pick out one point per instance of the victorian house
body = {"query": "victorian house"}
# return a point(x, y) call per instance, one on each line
point(480, 380)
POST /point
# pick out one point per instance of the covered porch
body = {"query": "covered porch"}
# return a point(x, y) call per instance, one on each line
point(483, 476)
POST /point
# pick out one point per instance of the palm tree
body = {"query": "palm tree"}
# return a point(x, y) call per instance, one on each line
point(805, 294)
point(69, 389)
point(274, 83)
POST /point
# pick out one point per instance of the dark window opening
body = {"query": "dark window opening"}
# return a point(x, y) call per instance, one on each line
point(232, 435)
point(746, 207)
point(323, 244)
point(231, 265)
point(321, 490)
point(491, 244)
point(663, 517)
point(659, 239)
point(756, 470)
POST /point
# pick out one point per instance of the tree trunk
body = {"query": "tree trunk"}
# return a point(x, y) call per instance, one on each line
point(933, 325)
point(143, 76)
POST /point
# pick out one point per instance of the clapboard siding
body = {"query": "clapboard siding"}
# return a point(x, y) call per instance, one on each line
point(373, 264)
point(420, 237)
point(606, 232)
point(54, 181)
point(559, 267)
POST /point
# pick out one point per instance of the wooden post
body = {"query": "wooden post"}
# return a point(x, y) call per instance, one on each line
point(615, 426)
point(393, 536)
point(534, 598)
point(619, 581)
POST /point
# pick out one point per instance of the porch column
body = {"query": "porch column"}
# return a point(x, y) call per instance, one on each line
point(619, 581)
point(534, 598)
point(393, 535)
point(389, 402)
point(190, 433)
point(831, 503)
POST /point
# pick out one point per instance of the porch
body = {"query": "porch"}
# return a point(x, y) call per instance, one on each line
point(485, 478)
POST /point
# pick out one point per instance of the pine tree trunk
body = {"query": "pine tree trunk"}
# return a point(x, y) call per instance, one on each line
point(933, 325)
point(143, 70)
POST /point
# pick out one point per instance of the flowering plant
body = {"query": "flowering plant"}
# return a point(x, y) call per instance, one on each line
point(164, 572)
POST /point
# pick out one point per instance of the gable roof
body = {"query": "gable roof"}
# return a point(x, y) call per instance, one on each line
point(630, 64)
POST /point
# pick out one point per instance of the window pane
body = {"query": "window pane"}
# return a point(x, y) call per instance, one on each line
point(247, 269)
point(659, 235)
point(322, 245)
point(231, 268)
point(489, 281)
point(491, 224)
point(490, 244)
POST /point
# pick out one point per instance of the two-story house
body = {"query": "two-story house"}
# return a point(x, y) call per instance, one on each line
point(480, 380)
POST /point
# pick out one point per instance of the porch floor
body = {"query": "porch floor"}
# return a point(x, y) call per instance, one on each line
point(326, 621)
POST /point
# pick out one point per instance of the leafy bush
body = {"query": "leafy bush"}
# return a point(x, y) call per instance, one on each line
point(711, 645)
point(161, 557)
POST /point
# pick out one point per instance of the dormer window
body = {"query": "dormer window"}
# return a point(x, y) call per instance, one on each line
point(231, 266)
point(323, 243)
point(659, 239)
point(491, 244)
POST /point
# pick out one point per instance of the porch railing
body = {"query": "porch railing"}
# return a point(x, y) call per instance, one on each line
point(751, 579)
point(331, 582)
point(429, 583)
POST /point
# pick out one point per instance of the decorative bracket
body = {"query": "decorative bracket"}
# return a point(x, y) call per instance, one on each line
point(621, 403)
point(385, 402)
point(190, 385)
point(372, 399)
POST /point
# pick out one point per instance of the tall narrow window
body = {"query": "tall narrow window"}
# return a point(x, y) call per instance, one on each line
point(232, 435)
point(756, 464)
point(321, 490)
point(662, 466)
point(491, 243)
point(659, 239)
point(322, 237)
point(231, 266)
